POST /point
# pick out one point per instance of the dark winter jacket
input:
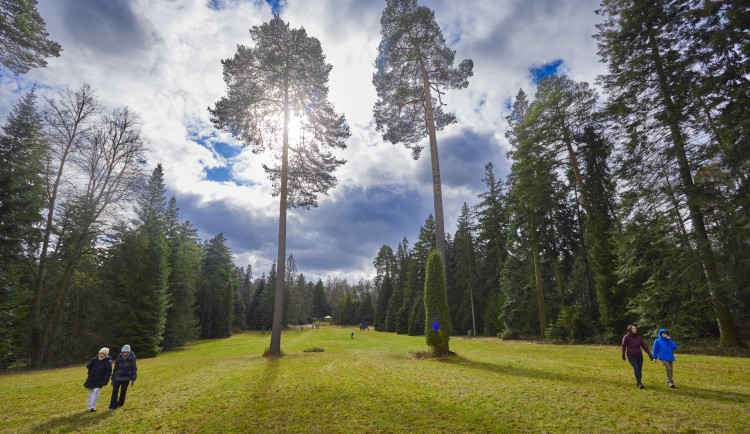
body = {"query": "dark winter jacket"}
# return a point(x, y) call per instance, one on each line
point(125, 368)
point(99, 372)
point(663, 347)
point(633, 344)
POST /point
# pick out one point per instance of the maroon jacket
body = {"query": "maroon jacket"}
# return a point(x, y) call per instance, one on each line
point(633, 344)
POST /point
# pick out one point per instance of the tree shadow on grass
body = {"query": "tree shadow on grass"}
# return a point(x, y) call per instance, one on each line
point(73, 422)
point(713, 395)
point(267, 378)
point(709, 394)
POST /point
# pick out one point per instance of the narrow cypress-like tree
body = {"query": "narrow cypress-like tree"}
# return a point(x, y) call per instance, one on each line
point(284, 76)
point(437, 328)
point(415, 67)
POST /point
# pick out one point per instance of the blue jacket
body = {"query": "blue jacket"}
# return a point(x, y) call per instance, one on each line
point(663, 347)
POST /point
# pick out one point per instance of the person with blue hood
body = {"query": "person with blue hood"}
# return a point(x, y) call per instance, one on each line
point(663, 346)
point(100, 368)
point(125, 371)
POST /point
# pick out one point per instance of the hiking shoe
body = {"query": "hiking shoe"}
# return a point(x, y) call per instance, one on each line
point(640, 386)
point(671, 384)
point(92, 410)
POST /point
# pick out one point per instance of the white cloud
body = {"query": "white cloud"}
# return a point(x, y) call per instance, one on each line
point(162, 59)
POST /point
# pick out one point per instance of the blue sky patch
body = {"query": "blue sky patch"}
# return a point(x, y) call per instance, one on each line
point(547, 69)
point(276, 6)
point(219, 174)
point(226, 150)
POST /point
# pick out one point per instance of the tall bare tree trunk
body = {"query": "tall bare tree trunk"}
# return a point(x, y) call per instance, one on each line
point(278, 307)
point(437, 192)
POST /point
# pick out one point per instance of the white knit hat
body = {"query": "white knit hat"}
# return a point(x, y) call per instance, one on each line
point(104, 350)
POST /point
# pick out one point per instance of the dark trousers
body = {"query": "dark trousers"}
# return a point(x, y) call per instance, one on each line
point(118, 386)
point(637, 363)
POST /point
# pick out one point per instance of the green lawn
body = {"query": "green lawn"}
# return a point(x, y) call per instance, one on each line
point(372, 384)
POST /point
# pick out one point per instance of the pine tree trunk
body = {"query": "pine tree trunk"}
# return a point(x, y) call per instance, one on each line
point(577, 172)
point(538, 275)
point(436, 184)
point(727, 332)
point(275, 348)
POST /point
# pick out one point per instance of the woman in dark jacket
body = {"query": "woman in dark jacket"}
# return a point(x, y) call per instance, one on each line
point(100, 368)
point(632, 343)
point(125, 370)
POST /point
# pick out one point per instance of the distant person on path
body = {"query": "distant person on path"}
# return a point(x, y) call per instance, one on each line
point(100, 368)
point(352, 335)
point(125, 370)
point(632, 343)
point(663, 346)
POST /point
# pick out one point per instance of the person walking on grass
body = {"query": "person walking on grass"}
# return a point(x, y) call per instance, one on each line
point(100, 368)
point(125, 370)
point(632, 343)
point(663, 346)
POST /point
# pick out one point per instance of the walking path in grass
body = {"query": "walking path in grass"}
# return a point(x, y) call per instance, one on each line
point(372, 383)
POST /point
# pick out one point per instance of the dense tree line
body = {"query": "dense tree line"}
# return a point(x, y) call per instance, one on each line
point(628, 209)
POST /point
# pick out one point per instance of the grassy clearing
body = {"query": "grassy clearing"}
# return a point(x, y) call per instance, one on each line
point(370, 383)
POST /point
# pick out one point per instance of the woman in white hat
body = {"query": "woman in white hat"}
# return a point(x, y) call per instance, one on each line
point(125, 371)
point(100, 368)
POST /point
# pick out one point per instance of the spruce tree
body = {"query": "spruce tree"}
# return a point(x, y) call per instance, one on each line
point(22, 148)
point(365, 311)
point(184, 266)
point(492, 234)
point(214, 295)
point(600, 226)
point(466, 269)
point(144, 297)
point(21, 201)
point(320, 307)
point(384, 297)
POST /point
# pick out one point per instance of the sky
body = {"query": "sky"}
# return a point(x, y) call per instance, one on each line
point(162, 59)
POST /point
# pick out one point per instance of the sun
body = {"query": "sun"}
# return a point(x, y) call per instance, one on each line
point(296, 128)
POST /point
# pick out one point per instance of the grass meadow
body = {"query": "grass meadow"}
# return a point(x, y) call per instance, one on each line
point(373, 383)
